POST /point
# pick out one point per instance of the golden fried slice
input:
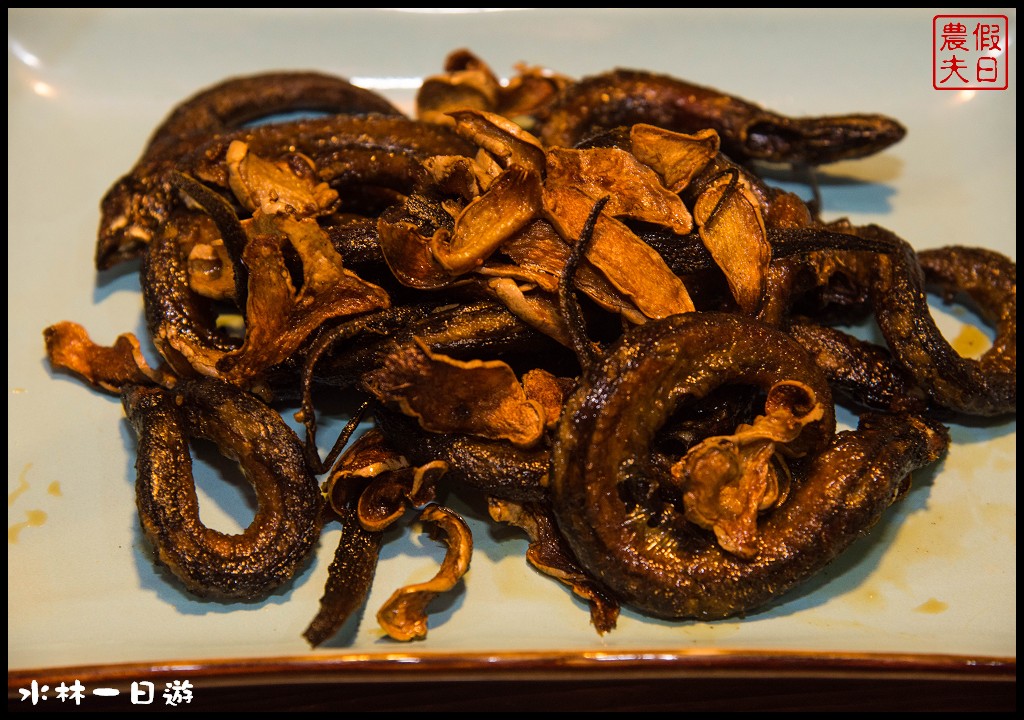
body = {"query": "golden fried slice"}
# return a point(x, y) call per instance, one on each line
point(630, 265)
point(676, 157)
point(478, 397)
point(68, 346)
point(404, 615)
point(733, 231)
point(728, 479)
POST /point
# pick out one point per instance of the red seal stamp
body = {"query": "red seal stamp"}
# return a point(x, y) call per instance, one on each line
point(969, 52)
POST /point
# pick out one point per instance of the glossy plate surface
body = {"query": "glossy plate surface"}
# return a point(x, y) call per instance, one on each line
point(936, 578)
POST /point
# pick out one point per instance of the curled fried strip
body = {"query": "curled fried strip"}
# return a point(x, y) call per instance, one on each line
point(388, 495)
point(508, 143)
point(132, 207)
point(468, 82)
point(512, 201)
point(287, 520)
point(639, 548)
point(378, 482)
point(279, 316)
point(985, 387)
point(404, 615)
point(407, 250)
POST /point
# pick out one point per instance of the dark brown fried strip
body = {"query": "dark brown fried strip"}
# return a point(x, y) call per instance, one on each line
point(349, 579)
point(748, 131)
point(286, 525)
point(983, 387)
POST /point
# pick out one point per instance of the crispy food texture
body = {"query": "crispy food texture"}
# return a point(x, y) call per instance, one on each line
point(404, 615)
point(446, 395)
point(280, 316)
point(579, 299)
point(69, 347)
point(286, 525)
point(728, 479)
point(732, 229)
point(349, 579)
point(676, 157)
point(629, 264)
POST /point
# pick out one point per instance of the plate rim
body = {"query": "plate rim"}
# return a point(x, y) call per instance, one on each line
point(525, 665)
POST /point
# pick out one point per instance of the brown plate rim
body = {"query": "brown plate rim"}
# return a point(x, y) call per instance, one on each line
point(527, 666)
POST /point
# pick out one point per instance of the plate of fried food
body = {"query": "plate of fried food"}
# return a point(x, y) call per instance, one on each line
point(395, 340)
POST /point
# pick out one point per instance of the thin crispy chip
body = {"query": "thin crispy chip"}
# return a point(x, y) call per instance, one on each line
point(404, 615)
point(477, 397)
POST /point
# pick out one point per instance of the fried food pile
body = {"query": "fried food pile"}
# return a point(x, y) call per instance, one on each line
point(576, 297)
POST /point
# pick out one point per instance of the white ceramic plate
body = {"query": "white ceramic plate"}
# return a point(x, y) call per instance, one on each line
point(936, 578)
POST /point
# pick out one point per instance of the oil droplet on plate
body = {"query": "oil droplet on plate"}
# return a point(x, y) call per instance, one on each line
point(35, 519)
point(971, 342)
point(22, 486)
point(931, 606)
point(54, 489)
point(868, 599)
